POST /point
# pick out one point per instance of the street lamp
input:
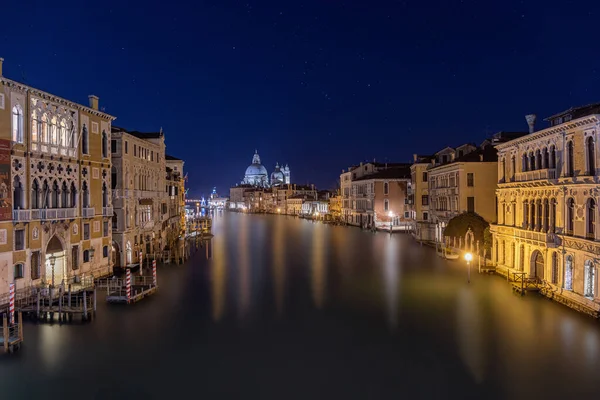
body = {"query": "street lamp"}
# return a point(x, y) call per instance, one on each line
point(468, 257)
point(391, 214)
point(52, 263)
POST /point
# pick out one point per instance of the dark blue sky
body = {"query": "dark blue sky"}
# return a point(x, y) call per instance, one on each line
point(317, 84)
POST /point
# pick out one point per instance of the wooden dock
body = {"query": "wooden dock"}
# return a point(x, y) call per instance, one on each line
point(11, 336)
point(521, 283)
point(67, 302)
point(116, 289)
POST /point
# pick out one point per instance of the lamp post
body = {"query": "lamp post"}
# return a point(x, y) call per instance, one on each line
point(391, 215)
point(468, 257)
point(52, 263)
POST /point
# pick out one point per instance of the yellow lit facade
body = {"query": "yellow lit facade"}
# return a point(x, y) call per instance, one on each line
point(55, 197)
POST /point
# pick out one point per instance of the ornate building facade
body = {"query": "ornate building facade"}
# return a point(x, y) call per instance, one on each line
point(138, 171)
point(548, 207)
point(55, 189)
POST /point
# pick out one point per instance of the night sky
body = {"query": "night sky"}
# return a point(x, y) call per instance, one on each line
point(316, 84)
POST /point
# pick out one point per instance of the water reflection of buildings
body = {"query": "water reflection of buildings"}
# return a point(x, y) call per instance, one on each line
point(470, 333)
point(318, 265)
point(219, 276)
point(390, 279)
point(279, 265)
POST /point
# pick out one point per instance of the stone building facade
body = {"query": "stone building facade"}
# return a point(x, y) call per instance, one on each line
point(55, 188)
point(174, 223)
point(424, 229)
point(548, 207)
point(138, 172)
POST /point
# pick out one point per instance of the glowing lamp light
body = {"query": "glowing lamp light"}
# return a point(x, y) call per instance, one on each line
point(391, 214)
point(468, 257)
point(279, 210)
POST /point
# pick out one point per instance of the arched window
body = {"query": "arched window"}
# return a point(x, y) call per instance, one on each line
point(546, 161)
point(104, 144)
point(525, 214)
point(531, 161)
point(552, 157)
point(73, 195)
point(104, 195)
point(114, 221)
point(591, 156)
point(591, 218)
point(589, 280)
point(35, 195)
point(64, 195)
point(538, 159)
point(85, 140)
point(105, 252)
point(71, 133)
point(62, 136)
point(386, 205)
point(53, 131)
point(553, 215)
point(555, 267)
point(55, 195)
point(45, 129)
point(17, 124)
point(86, 195)
point(570, 216)
point(570, 165)
point(524, 163)
point(46, 195)
point(538, 224)
point(569, 273)
point(546, 215)
point(18, 200)
point(513, 166)
point(35, 127)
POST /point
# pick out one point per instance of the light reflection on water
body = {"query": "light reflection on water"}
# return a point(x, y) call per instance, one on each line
point(336, 313)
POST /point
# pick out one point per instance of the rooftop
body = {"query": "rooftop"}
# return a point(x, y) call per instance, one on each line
point(168, 157)
point(577, 112)
point(141, 135)
point(389, 173)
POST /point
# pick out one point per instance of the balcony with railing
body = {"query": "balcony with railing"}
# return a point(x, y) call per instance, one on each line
point(547, 238)
point(57, 213)
point(21, 215)
point(107, 211)
point(88, 212)
point(536, 175)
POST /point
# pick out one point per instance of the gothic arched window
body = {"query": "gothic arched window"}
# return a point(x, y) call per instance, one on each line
point(591, 156)
point(591, 218)
point(35, 195)
point(17, 124)
point(64, 196)
point(570, 216)
point(104, 145)
point(17, 194)
point(86, 195)
point(570, 166)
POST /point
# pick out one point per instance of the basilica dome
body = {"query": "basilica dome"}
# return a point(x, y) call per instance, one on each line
point(256, 173)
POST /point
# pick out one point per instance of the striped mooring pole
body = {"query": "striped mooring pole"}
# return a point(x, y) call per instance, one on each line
point(128, 283)
point(154, 272)
point(141, 263)
point(11, 302)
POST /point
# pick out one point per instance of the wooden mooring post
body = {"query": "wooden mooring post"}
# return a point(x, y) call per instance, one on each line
point(5, 332)
point(85, 311)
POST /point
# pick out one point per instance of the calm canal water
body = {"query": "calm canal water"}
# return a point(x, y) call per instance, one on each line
point(289, 309)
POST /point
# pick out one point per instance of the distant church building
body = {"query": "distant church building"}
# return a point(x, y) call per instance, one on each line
point(257, 175)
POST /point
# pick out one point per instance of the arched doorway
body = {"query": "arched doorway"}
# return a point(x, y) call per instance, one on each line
point(56, 262)
point(537, 265)
point(116, 255)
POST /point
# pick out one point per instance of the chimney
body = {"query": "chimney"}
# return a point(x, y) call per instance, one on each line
point(414, 158)
point(481, 157)
point(530, 121)
point(1, 62)
point(93, 101)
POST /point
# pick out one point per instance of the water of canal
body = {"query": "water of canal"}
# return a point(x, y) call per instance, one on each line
point(283, 308)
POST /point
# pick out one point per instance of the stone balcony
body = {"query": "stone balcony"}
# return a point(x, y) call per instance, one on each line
point(107, 211)
point(88, 212)
point(57, 213)
point(538, 174)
